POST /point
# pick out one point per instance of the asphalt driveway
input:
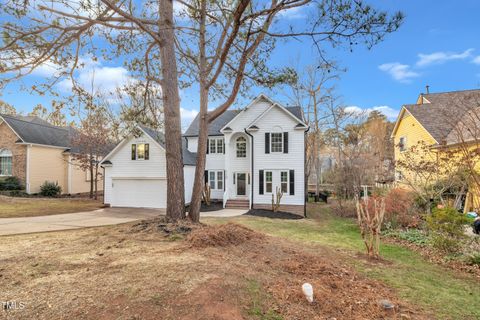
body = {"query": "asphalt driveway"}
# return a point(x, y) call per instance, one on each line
point(67, 221)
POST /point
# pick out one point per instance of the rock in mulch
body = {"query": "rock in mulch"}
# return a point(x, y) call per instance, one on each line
point(229, 234)
point(274, 215)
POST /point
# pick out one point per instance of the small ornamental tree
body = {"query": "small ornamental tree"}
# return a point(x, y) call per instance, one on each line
point(90, 142)
point(370, 214)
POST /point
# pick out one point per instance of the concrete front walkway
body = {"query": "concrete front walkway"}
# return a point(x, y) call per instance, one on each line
point(67, 221)
point(102, 217)
point(224, 213)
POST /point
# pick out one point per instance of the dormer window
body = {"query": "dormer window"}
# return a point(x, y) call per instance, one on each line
point(140, 151)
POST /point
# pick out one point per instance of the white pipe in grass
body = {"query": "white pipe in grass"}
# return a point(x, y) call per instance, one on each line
point(308, 291)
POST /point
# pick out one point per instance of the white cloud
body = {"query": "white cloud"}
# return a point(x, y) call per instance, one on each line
point(389, 112)
point(442, 57)
point(398, 71)
point(103, 78)
point(476, 60)
point(187, 117)
point(188, 114)
point(293, 13)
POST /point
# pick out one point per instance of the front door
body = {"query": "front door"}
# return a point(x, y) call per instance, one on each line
point(241, 184)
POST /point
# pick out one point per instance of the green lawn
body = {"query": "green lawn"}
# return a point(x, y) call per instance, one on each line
point(437, 289)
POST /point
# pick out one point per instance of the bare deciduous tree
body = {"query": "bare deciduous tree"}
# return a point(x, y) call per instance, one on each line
point(233, 41)
point(6, 108)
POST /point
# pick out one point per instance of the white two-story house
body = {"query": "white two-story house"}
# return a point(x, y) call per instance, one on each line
point(251, 153)
point(254, 151)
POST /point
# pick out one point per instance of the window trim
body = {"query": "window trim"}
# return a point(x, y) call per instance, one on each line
point(265, 182)
point(215, 179)
point(218, 180)
point(7, 154)
point(146, 151)
point(281, 142)
point(287, 173)
point(216, 143)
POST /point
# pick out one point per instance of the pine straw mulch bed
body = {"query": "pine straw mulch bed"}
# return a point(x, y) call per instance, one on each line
point(434, 256)
point(281, 268)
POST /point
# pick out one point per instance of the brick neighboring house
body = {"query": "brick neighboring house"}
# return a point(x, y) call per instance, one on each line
point(35, 151)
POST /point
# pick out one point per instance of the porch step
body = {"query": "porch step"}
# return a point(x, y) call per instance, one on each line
point(237, 204)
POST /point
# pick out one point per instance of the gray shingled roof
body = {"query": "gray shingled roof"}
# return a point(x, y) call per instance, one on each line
point(189, 158)
point(37, 131)
point(444, 112)
point(215, 127)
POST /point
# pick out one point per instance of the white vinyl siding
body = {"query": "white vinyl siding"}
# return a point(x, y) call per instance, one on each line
point(275, 162)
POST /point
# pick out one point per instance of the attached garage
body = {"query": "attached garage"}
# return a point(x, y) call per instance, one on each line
point(139, 193)
point(135, 172)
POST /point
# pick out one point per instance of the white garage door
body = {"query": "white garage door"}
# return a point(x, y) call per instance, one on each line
point(139, 193)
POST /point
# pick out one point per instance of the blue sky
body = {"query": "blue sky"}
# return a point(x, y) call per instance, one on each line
point(438, 45)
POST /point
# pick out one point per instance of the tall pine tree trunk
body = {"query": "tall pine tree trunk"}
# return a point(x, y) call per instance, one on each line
point(198, 183)
point(171, 101)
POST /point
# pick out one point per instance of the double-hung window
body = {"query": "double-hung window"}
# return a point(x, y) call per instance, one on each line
point(5, 162)
point(140, 151)
point(268, 181)
point(276, 143)
point(215, 180)
point(284, 181)
point(220, 180)
point(212, 175)
point(215, 145)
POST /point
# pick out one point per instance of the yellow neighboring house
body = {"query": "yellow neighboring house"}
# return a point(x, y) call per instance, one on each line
point(35, 151)
point(434, 120)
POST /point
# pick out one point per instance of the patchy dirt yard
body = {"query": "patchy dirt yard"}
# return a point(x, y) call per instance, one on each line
point(213, 272)
point(11, 207)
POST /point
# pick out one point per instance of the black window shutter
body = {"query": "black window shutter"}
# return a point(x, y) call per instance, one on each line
point(147, 151)
point(285, 142)
point(267, 142)
point(205, 177)
point(224, 179)
point(134, 152)
point(260, 182)
point(223, 140)
point(292, 182)
point(208, 146)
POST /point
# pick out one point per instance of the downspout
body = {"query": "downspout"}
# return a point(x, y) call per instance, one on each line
point(27, 170)
point(103, 185)
point(305, 191)
point(252, 173)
